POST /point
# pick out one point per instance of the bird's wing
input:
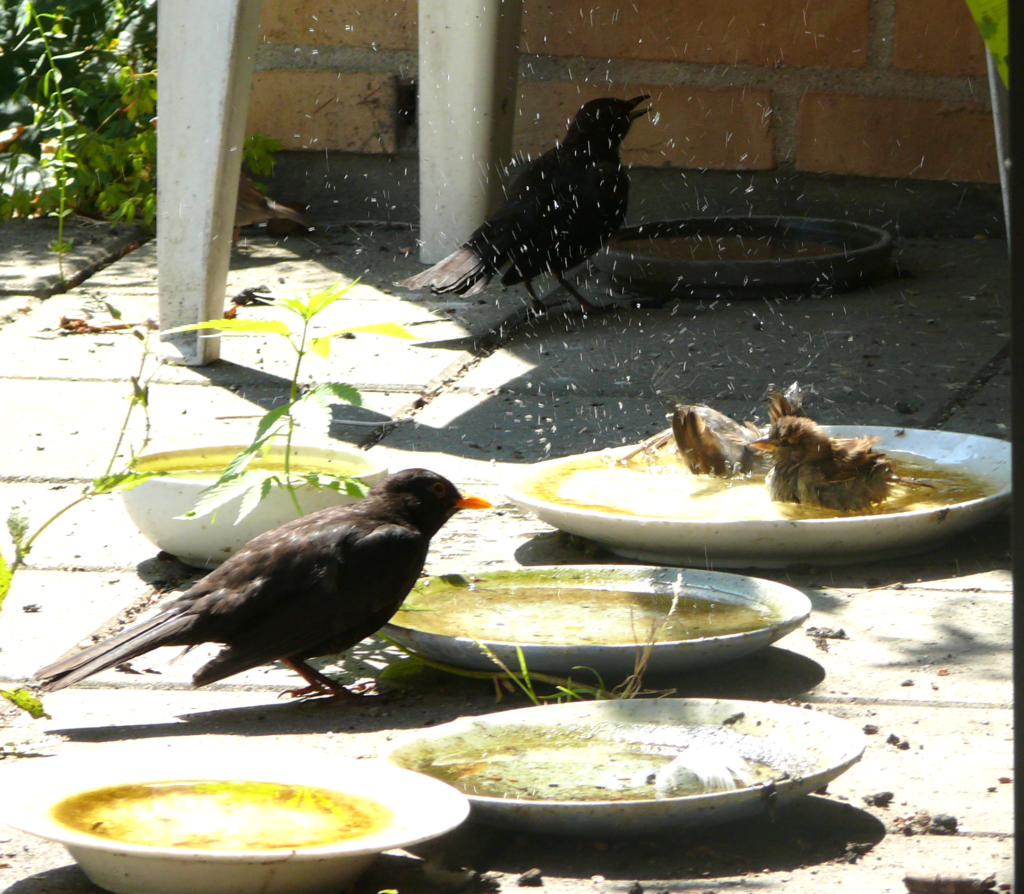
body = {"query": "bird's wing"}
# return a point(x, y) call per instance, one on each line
point(368, 574)
point(574, 209)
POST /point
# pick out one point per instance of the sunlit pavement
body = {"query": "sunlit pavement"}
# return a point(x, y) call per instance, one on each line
point(483, 391)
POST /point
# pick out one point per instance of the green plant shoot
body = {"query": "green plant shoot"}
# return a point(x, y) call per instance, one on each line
point(310, 411)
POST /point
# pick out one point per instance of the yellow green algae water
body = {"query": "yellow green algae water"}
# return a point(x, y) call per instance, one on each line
point(499, 610)
point(222, 815)
point(660, 487)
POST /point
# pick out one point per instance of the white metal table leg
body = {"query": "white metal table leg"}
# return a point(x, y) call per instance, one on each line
point(468, 67)
point(205, 54)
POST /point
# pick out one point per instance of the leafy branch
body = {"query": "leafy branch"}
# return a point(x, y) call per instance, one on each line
point(310, 410)
point(109, 482)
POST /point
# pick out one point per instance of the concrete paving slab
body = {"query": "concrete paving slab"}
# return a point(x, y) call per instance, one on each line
point(63, 430)
point(914, 645)
point(970, 749)
point(875, 355)
point(523, 428)
point(32, 268)
point(49, 612)
point(557, 385)
point(94, 535)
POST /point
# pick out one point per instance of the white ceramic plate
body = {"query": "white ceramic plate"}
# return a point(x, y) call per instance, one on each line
point(423, 808)
point(776, 543)
point(581, 748)
point(556, 638)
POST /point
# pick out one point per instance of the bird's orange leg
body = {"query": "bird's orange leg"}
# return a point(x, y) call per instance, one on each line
point(588, 308)
point(319, 684)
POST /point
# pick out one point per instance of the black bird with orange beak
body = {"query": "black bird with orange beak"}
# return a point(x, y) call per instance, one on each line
point(558, 212)
point(314, 586)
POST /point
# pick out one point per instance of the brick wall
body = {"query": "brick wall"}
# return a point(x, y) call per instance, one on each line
point(877, 88)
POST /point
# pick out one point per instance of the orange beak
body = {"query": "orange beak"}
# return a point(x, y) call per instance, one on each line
point(764, 444)
point(471, 502)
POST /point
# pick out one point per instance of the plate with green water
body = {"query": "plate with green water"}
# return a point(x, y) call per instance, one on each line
point(566, 617)
point(594, 768)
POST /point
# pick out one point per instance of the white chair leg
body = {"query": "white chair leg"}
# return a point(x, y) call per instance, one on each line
point(205, 52)
point(468, 68)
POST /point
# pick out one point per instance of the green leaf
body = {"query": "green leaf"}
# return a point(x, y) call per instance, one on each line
point(321, 300)
point(455, 580)
point(26, 701)
point(269, 419)
point(525, 670)
point(352, 487)
point(393, 330)
point(321, 347)
point(407, 667)
point(122, 481)
point(5, 580)
point(255, 495)
point(225, 490)
point(295, 305)
point(17, 524)
point(277, 327)
point(312, 412)
point(340, 391)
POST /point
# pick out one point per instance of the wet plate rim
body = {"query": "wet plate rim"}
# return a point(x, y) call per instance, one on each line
point(615, 662)
point(778, 543)
point(831, 744)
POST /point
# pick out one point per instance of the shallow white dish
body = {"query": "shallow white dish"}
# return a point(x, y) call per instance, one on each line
point(558, 654)
point(776, 543)
point(580, 746)
point(423, 808)
point(155, 506)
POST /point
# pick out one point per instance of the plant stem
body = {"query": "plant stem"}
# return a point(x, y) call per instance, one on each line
point(300, 352)
point(127, 416)
point(561, 682)
point(62, 171)
point(24, 548)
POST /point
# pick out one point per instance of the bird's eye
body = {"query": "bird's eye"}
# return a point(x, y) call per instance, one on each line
point(438, 489)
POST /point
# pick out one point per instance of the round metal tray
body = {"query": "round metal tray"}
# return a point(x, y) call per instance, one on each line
point(745, 256)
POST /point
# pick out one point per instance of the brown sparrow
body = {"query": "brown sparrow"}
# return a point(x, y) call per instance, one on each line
point(252, 206)
point(812, 468)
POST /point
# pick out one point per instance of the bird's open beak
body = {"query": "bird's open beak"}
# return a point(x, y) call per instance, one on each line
point(471, 502)
point(764, 444)
point(636, 100)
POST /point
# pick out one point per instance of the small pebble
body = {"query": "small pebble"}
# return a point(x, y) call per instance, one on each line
point(878, 799)
point(942, 824)
point(532, 878)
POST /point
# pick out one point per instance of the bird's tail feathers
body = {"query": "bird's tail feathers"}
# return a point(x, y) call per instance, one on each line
point(280, 210)
point(158, 631)
point(463, 272)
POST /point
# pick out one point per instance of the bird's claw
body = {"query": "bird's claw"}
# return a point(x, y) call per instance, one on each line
point(324, 693)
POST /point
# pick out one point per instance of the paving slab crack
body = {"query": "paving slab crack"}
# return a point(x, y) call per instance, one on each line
point(962, 397)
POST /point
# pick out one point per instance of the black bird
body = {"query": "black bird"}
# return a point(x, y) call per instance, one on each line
point(559, 210)
point(314, 586)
